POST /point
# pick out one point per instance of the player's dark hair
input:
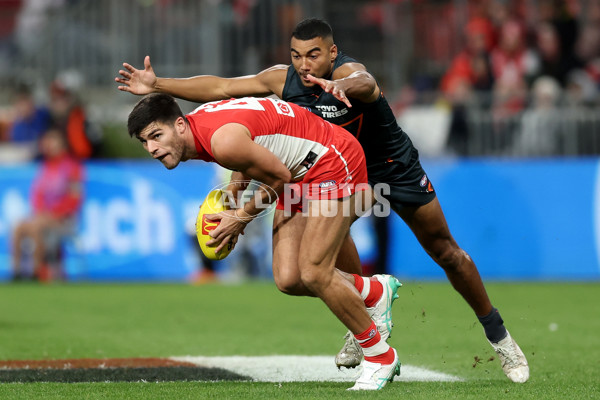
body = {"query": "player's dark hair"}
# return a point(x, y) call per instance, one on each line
point(311, 28)
point(155, 107)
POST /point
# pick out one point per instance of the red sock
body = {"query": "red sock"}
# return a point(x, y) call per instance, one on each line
point(375, 293)
point(358, 283)
point(370, 290)
point(369, 337)
point(385, 358)
point(374, 349)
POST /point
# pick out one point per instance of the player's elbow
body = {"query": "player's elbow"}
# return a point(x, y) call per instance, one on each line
point(371, 90)
point(369, 82)
point(286, 176)
point(365, 88)
point(282, 178)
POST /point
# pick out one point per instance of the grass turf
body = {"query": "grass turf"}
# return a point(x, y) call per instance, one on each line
point(555, 324)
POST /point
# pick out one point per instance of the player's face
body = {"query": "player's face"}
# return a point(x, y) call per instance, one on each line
point(314, 56)
point(164, 143)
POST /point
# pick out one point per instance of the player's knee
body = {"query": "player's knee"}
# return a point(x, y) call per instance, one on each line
point(288, 283)
point(312, 277)
point(310, 280)
point(290, 288)
point(451, 258)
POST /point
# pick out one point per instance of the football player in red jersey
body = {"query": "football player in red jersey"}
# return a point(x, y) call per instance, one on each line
point(280, 145)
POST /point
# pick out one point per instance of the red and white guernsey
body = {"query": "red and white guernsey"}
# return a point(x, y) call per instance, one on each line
point(314, 150)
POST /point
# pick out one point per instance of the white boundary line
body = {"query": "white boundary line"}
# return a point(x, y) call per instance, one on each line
point(304, 369)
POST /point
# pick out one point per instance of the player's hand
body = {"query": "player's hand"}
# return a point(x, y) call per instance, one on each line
point(137, 81)
point(330, 87)
point(228, 230)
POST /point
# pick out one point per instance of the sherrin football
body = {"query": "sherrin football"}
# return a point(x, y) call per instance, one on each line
point(213, 204)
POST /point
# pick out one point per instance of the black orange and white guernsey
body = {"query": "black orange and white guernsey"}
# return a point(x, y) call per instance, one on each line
point(390, 155)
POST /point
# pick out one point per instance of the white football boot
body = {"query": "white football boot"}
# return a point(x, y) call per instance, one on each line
point(375, 376)
point(513, 361)
point(351, 354)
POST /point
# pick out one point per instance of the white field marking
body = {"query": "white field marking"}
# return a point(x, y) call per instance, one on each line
point(304, 369)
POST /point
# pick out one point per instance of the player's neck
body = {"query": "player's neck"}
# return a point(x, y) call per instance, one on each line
point(189, 149)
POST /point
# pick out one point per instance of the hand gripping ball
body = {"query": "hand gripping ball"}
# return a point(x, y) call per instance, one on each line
point(213, 204)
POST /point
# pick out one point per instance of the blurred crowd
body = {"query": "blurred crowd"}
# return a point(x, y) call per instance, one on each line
point(57, 137)
point(527, 63)
point(55, 199)
point(27, 119)
point(505, 54)
point(512, 61)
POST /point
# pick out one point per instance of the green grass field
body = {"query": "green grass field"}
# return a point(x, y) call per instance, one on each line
point(557, 325)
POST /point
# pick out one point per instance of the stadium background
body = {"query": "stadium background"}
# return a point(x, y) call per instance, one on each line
point(520, 213)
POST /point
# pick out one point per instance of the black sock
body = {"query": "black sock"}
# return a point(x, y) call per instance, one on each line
point(493, 325)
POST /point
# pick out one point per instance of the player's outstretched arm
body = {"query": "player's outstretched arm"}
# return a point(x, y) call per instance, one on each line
point(350, 81)
point(202, 88)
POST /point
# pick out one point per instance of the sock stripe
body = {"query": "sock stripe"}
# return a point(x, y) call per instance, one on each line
point(386, 357)
point(366, 288)
point(363, 285)
point(374, 294)
point(358, 282)
point(376, 349)
point(371, 343)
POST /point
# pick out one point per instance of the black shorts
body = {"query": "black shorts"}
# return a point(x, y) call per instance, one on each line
point(409, 185)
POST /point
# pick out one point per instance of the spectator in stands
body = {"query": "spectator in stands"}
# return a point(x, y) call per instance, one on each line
point(513, 66)
point(30, 121)
point(69, 115)
point(541, 123)
point(469, 73)
point(555, 61)
point(471, 67)
point(5, 123)
point(8, 16)
point(33, 17)
point(55, 201)
point(581, 90)
point(564, 16)
point(584, 84)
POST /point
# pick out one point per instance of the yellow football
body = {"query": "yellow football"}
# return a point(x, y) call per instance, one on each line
point(213, 204)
